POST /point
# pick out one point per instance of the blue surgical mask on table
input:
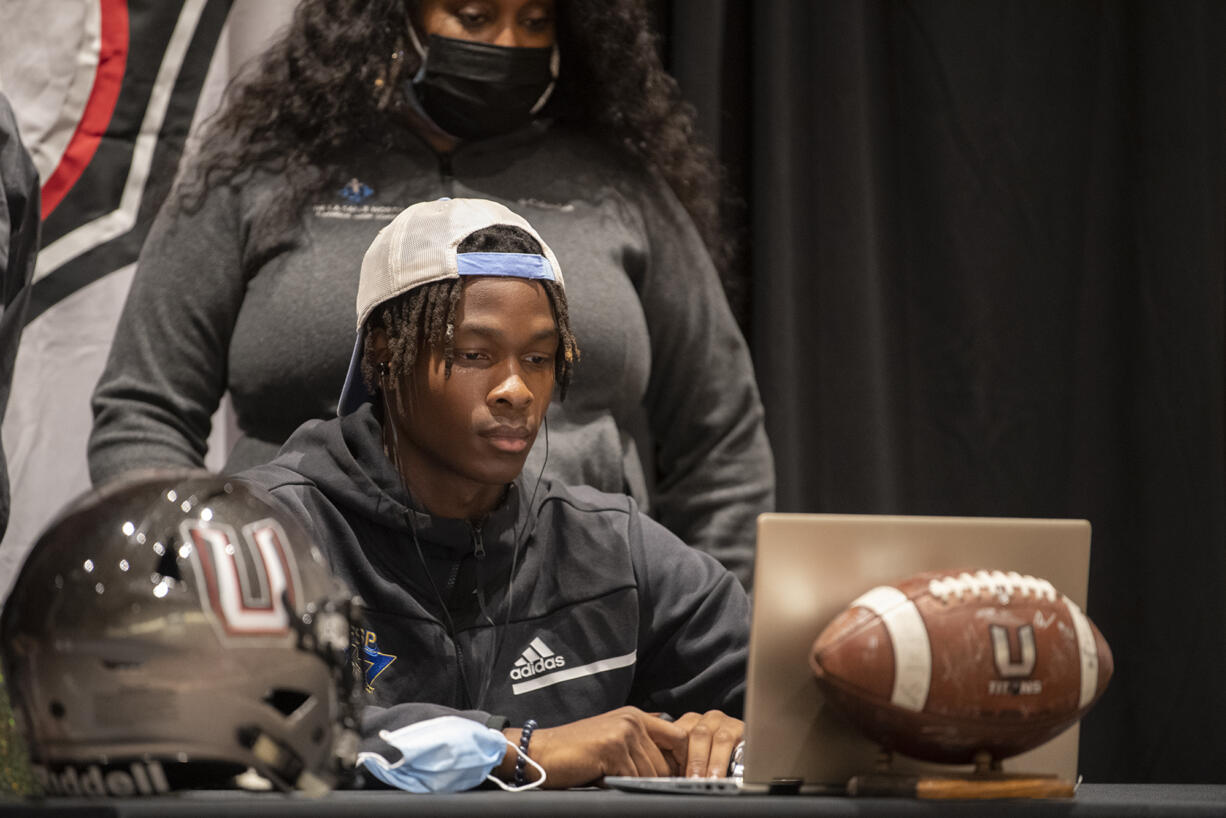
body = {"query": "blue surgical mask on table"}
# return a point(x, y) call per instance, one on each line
point(474, 90)
point(444, 754)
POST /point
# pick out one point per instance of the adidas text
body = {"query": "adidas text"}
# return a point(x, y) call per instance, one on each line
point(141, 778)
point(530, 669)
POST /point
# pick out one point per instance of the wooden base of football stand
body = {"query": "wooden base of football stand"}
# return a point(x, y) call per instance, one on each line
point(986, 781)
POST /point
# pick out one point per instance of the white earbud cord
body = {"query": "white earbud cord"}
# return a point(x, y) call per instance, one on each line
point(511, 787)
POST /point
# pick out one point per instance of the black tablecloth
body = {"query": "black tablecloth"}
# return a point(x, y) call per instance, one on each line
point(1091, 800)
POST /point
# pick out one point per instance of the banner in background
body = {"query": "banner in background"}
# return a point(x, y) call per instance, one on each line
point(105, 92)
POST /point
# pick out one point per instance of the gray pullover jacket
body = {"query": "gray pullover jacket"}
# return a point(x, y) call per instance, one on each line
point(665, 407)
point(563, 604)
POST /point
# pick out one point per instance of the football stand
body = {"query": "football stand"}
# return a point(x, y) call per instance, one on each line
point(986, 781)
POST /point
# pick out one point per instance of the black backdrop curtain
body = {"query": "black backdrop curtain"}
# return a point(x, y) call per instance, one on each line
point(984, 276)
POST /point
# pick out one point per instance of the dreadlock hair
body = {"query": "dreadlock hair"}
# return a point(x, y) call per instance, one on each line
point(424, 317)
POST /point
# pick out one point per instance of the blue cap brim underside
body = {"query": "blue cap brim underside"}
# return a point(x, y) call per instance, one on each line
point(513, 265)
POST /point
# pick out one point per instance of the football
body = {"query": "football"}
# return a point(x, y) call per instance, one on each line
point(944, 666)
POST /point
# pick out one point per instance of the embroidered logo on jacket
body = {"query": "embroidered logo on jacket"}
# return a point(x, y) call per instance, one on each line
point(536, 658)
point(355, 191)
point(365, 645)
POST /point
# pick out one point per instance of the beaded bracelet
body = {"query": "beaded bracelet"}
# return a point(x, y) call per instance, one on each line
point(520, 760)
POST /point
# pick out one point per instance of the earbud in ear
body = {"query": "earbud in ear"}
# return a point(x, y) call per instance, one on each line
point(383, 369)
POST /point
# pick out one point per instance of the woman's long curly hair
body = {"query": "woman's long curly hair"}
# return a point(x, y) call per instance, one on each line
point(330, 83)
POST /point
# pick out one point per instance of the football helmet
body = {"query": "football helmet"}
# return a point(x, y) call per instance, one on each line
point(178, 630)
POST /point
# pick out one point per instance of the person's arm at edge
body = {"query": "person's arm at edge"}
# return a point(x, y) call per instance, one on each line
point(20, 224)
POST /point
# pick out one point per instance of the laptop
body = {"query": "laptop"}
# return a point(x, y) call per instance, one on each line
point(809, 567)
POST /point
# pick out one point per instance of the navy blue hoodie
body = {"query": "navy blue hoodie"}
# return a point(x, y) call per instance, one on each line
point(564, 603)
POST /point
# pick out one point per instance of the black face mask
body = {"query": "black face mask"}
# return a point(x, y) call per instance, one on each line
point(473, 89)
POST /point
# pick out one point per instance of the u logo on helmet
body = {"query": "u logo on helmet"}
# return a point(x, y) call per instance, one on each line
point(243, 579)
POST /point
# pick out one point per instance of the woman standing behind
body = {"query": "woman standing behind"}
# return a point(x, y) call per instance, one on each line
point(564, 114)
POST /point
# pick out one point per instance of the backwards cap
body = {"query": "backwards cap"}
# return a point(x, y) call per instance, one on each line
point(419, 247)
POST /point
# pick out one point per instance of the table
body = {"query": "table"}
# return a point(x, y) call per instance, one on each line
point(1091, 800)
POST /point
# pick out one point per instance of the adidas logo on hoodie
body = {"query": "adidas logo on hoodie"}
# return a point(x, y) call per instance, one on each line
point(536, 658)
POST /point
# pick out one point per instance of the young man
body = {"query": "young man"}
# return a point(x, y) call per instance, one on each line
point(591, 637)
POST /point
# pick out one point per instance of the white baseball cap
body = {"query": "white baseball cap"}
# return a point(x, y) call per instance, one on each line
point(419, 247)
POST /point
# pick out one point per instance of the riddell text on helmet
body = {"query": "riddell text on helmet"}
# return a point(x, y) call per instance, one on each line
point(530, 669)
point(140, 778)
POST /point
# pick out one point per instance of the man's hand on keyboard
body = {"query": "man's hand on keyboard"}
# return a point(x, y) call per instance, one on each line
point(712, 736)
